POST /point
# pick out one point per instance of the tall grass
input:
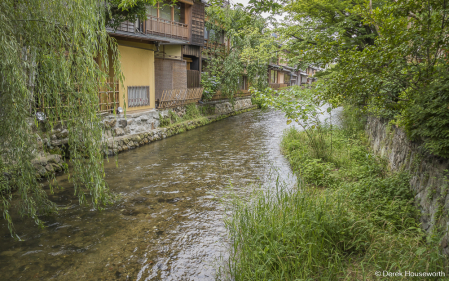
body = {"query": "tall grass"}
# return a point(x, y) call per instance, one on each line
point(348, 218)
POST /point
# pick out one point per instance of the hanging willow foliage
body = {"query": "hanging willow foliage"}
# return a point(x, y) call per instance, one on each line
point(54, 56)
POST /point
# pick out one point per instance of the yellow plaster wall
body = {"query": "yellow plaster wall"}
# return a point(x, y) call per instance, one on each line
point(173, 50)
point(138, 70)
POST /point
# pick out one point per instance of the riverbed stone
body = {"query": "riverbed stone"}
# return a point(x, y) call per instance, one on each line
point(136, 138)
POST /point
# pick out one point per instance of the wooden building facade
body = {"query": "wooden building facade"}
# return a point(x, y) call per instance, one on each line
point(162, 54)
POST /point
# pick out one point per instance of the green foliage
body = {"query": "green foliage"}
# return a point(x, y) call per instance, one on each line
point(359, 221)
point(227, 64)
point(128, 10)
point(192, 112)
point(427, 118)
point(210, 85)
point(387, 57)
point(53, 57)
point(301, 106)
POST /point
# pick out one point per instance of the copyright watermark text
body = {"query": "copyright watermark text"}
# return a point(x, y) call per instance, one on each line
point(385, 273)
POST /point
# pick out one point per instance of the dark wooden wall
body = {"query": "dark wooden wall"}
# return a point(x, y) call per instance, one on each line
point(197, 24)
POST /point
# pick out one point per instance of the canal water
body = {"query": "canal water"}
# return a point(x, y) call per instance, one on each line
point(168, 223)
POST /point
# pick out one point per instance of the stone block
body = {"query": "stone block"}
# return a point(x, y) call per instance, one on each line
point(54, 159)
point(136, 138)
point(63, 134)
point(119, 132)
point(49, 168)
point(110, 124)
point(122, 123)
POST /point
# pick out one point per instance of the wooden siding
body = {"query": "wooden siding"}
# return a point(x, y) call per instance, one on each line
point(189, 50)
point(193, 78)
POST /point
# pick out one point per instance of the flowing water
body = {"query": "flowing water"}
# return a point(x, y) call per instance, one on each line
point(168, 223)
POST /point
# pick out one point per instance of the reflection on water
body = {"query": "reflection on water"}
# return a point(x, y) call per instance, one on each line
point(168, 222)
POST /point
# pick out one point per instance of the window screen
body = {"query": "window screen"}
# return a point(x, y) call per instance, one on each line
point(165, 11)
point(138, 96)
point(152, 11)
point(177, 15)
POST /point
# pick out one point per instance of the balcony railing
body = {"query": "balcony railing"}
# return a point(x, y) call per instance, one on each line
point(166, 28)
point(157, 26)
point(212, 46)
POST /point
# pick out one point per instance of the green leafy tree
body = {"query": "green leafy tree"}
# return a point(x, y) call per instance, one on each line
point(387, 57)
point(245, 34)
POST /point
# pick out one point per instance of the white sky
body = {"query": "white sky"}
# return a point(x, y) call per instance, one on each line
point(265, 15)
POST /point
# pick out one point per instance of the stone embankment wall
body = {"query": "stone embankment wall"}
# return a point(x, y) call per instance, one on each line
point(135, 130)
point(429, 174)
point(142, 128)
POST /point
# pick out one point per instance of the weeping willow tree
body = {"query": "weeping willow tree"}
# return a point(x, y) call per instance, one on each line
point(53, 54)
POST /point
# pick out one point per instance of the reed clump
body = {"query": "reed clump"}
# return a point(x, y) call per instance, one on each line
point(348, 218)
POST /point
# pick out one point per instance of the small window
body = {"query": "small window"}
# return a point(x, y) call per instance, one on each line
point(138, 96)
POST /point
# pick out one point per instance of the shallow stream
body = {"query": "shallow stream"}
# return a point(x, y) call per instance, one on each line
point(168, 223)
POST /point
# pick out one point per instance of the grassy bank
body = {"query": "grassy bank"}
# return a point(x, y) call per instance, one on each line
point(348, 218)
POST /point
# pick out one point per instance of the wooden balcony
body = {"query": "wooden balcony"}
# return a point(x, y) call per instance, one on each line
point(166, 28)
point(210, 46)
point(157, 26)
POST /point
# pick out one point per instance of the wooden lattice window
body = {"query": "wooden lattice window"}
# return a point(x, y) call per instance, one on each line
point(138, 96)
